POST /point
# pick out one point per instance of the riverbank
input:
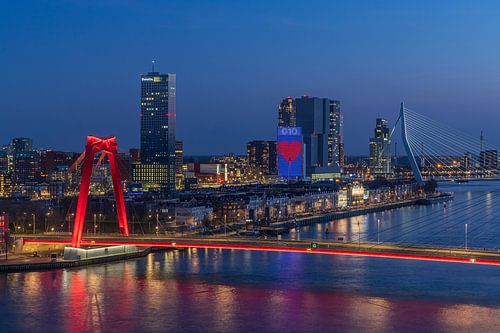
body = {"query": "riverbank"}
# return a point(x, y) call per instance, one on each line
point(327, 217)
point(27, 264)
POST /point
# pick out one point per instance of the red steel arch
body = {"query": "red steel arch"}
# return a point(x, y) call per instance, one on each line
point(108, 147)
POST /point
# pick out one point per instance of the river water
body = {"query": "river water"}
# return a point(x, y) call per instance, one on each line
point(239, 291)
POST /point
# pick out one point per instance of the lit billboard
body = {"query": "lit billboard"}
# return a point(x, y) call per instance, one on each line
point(290, 152)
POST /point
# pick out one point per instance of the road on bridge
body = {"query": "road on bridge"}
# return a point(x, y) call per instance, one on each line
point(383, 250)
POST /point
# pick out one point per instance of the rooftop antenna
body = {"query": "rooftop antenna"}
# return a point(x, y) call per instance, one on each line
point(153, 65)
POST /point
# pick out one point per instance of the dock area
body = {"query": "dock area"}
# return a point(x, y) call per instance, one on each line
point(25, 262)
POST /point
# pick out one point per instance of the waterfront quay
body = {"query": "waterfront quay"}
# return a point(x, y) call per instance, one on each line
point(25, 263)
point(335, 215)
point(214, 210)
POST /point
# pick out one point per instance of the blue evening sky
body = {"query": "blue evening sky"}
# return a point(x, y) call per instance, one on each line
point(71, 68)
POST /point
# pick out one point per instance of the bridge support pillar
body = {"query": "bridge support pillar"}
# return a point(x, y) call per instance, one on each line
point(106, 146)
point(409, 151)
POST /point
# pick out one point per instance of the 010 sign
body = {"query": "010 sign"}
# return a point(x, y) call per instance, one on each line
point(290, 131)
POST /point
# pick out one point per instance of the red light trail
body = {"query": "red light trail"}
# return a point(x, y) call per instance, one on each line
point(364, 253)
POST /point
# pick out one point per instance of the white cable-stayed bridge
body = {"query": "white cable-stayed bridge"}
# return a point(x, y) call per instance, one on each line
point(440, 152)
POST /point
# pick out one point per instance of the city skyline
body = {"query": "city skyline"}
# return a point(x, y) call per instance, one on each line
point(228, 104)
point(249, 166)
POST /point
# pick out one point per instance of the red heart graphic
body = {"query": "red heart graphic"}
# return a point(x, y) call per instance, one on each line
point(289, 150)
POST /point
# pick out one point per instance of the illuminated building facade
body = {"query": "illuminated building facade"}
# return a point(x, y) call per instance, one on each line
point(5, 185)
point(207, 174)
point(26, 166)
point(179, 162)
point(263, 157)
point(290, 153)
point(238, 170)
point(335, 132)
point(380, 150)
point(286, 113)
point(158, 114)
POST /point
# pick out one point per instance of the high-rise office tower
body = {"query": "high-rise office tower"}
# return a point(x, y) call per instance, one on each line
point(262, 157)
point(179, 162)
point(335, 144)
point(25, 161)
point(380, 149)
point(321, 123)
point(26, 166)
point(158, 113)
point(286, 113)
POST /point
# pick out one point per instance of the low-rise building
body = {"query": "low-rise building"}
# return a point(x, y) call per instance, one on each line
point(192, 215)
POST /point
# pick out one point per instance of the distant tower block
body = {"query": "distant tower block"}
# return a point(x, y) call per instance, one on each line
point(108, 148)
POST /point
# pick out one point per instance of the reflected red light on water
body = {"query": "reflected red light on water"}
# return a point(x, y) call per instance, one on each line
point(374, 254)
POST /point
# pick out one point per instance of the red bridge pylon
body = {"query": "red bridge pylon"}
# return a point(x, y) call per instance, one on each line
point(108, 148)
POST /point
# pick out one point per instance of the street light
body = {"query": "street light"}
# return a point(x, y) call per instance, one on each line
point(359, 235)
point(378, 231)
point(70, 217)
point(466, 236)
point(157, 223)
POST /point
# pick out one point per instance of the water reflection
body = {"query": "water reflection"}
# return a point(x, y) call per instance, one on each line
point(229, 291)
point(203, 290)
point(437, 224)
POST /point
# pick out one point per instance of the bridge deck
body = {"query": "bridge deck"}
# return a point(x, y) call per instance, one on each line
point(384, 250)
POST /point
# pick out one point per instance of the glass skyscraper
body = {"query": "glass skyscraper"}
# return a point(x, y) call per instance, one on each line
point(321, 123)
point(158, 113)
point(380, 149)
point(335, 142)
point(286, 113)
